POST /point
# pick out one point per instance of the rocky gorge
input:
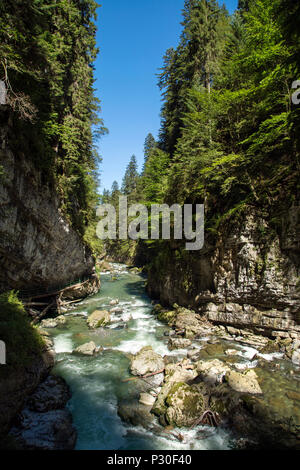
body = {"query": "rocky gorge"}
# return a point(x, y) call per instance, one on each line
point(167, 378)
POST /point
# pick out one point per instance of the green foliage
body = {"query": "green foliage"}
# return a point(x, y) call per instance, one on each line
point(129, 184)
point(229, 134)
point(22, 340)
point(47, 50)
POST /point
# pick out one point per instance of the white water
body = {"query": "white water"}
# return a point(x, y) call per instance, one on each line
point(96, 382)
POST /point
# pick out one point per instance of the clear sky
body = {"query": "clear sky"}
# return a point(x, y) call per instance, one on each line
point(133, 36)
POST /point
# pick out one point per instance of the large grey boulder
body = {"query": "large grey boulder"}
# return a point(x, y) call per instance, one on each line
point(87, 349)
point(98, 318)
point(146, 361)
point(245, 382)
point(212, 371)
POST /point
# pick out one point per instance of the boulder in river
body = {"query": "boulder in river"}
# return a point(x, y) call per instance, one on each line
point(179, 343)
point(146, 361)
point(212, 351)
point(212, 371)
point(117, 310)
point(53, 322)
point(245, 382)
point(181, 372)
point(184, 404)
point(87, 349)
point(114, 302)
point(98, 318)
point(49, 323)
point(135, 413)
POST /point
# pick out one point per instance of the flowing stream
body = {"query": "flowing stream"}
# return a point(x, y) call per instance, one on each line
point(97, 382)
point(99, 385)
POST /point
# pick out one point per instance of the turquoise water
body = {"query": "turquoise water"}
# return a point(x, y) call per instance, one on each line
point(96, 382)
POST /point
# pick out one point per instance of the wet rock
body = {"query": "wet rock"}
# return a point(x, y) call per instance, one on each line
point(98, 318)
point(45, 431)
point(188, 321)
point(52, 394)
point(146, 361)
point(193, 354)
point(147, 399)
point(212, 371)
point(180, 372)
point(49, 323)
point(231, 352)
point(87, 349)
point(61, 320)
point(179, 343)
point(167, 317)
point(114, 302)
point(117, 310)
point(212, 350)
point(270, 347)
point(135, 413)
point(44, 424)
point(245, 382)
point(296, 357)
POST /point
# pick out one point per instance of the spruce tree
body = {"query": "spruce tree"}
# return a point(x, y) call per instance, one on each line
point(131, 176)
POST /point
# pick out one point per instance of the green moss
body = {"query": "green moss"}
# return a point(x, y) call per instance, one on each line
point(191, 404)
point(174, 390)
point(22, 340)
point(270, 347)
point(167, 317)
point(217, 405)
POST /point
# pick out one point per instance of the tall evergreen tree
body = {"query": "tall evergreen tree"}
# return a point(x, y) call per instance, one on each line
point(150, 144)
point(193, 64)
point(131, 176)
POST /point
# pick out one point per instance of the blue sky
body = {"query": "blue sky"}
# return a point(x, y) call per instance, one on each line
point(133, 36)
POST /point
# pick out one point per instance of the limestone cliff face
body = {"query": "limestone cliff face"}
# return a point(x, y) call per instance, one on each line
point(249, 276)
point(38, 248)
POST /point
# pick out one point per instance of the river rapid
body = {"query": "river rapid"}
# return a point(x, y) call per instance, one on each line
point(97, 382)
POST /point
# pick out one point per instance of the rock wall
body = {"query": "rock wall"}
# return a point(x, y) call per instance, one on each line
point(15, 389)
point(248, 277)
point(38, 247)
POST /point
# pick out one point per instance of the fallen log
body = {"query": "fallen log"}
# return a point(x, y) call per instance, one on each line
point(43, 313)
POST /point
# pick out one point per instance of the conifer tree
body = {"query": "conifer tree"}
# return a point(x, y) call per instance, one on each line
point(131, 176)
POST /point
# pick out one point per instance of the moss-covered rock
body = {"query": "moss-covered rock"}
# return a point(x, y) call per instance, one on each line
point(271, 347)
point(167, 317)
point(185, 403)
